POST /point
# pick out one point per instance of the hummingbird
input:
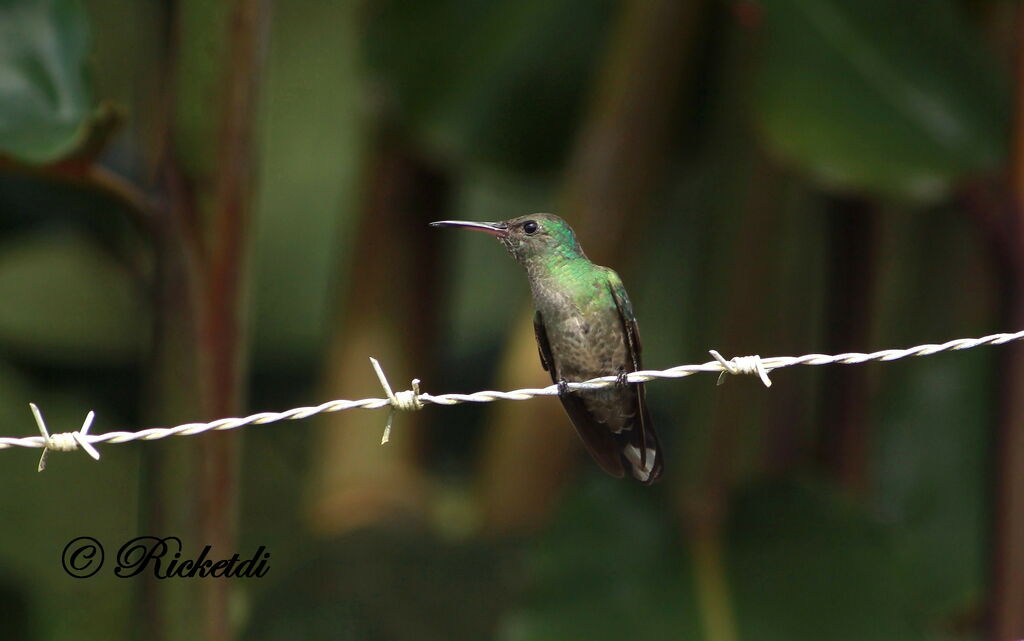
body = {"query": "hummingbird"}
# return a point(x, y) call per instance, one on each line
point(585, 328)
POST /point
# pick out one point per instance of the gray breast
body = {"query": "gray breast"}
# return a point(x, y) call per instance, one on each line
point(589, 344)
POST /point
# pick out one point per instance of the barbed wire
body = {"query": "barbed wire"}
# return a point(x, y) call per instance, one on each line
point(413, 399)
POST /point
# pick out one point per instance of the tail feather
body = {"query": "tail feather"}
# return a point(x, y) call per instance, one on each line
point(646, 466)
point(619, 451)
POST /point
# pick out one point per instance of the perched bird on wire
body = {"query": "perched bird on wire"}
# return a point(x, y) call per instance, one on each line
point(585, 329)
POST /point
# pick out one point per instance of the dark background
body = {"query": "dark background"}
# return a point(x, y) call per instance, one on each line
point(211, 209)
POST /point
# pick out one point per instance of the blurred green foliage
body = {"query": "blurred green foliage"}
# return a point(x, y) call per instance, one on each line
point(491, 83)
point(45, 94)
point(895, 98)
point(50, 277)
point(894, 103)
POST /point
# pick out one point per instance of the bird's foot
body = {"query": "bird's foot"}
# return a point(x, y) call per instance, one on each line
point(563, 387)
point(622, 379)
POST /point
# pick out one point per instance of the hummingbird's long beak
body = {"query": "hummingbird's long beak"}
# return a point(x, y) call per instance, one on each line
point(494, 229)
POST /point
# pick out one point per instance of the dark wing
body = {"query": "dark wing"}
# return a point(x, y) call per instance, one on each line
point(543, 347)
point(645, 434)
point(596, 437)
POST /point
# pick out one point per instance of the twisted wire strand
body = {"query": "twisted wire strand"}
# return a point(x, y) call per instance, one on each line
point(411, 400)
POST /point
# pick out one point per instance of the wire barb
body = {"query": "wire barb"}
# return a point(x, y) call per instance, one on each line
point(407, 401)
point(413, 399)
point(742, 365)
point(64, 441)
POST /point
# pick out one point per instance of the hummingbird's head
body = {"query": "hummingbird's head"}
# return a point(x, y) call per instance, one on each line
point(528, 238)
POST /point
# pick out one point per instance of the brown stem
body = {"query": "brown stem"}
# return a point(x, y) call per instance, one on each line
point(223, 327)
point(93, 177)
point(703, 504)
point(848, 301)
point(223, 335)
point(1007, 606)
point(389, 312)
point(173, 393)
point(621, 149)
point(172, 388)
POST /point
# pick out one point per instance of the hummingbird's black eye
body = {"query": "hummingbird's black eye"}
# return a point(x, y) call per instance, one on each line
point(531, 227)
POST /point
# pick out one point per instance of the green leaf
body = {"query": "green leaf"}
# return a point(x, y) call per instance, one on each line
point(896, 98)
point(66, 302)
point(44, 92)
